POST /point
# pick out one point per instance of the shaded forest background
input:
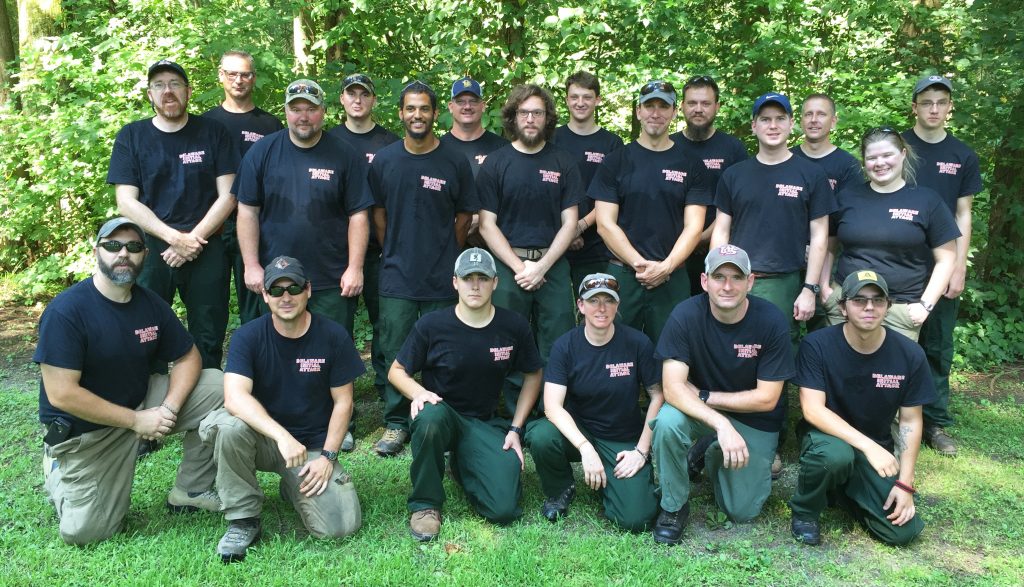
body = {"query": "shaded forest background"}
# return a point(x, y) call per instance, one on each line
point(72, 72)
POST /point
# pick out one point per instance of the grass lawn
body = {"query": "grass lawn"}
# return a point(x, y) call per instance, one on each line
point(973, 507)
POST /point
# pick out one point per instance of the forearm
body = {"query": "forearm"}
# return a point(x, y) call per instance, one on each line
point(944, 264)
point(688, 239)
point(527, 397)
point(566, 425)
point(657, 399)
point(720, 232)
point(463, 220)
point(586, 222)
point(818, 248)
point(249, 410)
point(338, 424)
point(825, 420)
point(358, 238)
point(908, 441)
point(964, 223)
point(563, 238)
point(129, 206)
point(684, 398)
point(219, 211)
point(497, 242)
point(404, 383)
point(613, 236)
point(182, 379)
point(248, 227)
point(762, 398)
point(380, 223)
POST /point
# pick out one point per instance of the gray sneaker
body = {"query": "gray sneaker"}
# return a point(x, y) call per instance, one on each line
point(180, 501)
point(391, 443)
point(239, 537)
point(349, 444)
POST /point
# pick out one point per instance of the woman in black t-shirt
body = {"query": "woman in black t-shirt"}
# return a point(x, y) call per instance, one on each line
point(895, 227)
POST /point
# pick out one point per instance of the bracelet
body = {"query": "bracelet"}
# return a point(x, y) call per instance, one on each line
point(905, 487)
point(646, 456)
point(927, 306)
point(585, 441)
point(169, 409)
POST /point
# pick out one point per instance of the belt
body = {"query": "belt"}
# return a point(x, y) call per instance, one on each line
point(529, 254)
point(769, 275)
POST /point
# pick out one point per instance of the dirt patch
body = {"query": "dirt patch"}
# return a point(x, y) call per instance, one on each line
point(996, 384)
point(18, 335)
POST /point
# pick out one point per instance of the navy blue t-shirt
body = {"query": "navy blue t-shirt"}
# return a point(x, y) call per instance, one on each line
point(421, 195)
point(528, 192)
point(865, 390)
point(718, 153)
point(176, 172)
point(731, 357)
point(467, 366)
point(305, 196)
point(245, 128)
point(893, 234)
point(949, 167)
point(292, 377)
point(651, 188)
point(603, 382)
point(367, 143)
point(113, 344)
point(842, 168)
point(590, 152)
point(772, 207)
point(477, 150)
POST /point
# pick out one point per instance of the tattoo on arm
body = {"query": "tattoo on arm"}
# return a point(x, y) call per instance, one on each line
point(901, 439)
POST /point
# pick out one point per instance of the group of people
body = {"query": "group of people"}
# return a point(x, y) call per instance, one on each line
point(692, 267)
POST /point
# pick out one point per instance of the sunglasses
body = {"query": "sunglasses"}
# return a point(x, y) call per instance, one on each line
point(596, 282)
point(116, 246)
point(657, 86)
point(303, 89)
point(277, 291)
point(701, 80)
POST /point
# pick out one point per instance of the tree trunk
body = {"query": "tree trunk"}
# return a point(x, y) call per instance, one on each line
point(37, 19)
point(1002, 257)
point(7, 53)
point(303, 30)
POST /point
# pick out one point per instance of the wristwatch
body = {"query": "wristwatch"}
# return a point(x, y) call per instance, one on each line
point(814, 287)
point(330, 455)
point(517, 430)
point(704, 394)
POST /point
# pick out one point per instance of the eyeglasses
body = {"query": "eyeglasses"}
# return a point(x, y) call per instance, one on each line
point(174, 86)
point(467, 102)
point(277, 291)
point(303, 89)
point(596, 282)
point(116, 246)
point(527, 114)
point(863, 301)
point(233, 75)
point(657, 86)
point(928, 104)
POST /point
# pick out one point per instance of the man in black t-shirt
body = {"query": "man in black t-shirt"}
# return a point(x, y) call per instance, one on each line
point(97, 399)
point(528, 196)
point(358, 98)
point(951, 168)
point(172, 175)
point(246, 123)
point(817, 120)
point(852, 378)
point(424, 197)
point(287, 403)
point(463, 353)
point(302, 189)
point(650, 203)
point(590, 145)
point(774, 205)
point(717, 149)
point(726, 357)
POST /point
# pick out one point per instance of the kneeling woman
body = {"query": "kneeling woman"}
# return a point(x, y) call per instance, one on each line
point(591, 390)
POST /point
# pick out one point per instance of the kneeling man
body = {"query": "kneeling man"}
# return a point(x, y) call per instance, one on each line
point(288, 400)
point(464, 353)
point(853, 377)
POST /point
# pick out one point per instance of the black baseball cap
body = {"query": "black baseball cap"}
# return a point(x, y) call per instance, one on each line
point(166, 65)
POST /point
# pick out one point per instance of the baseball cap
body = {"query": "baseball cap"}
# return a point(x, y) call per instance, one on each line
point(466, 84)
point(932, 80)
point(772, 97)
point(596, 283)
point(306, 89)
point(856, 281)
point(727, 254)
point(284, 266)
point(166, 65)
point(358, 79)
point(111, 226)
point(660, 90)
point(475, 260)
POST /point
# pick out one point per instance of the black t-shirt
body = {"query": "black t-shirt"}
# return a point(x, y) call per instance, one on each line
point(731, 357)
point(528, 192)
point(176, 172)
point(421, 194)
point(245, 128)
point(465, 365)
point(893, 234)
point(113, 344)
point(718, 153)
point(368, 143)
point(651, 188)
point(603, 382)
point(306, 196)
point(949, 167)
point(772, 207)
point(842, 168)
point(477, 150)
point(292, 377)
point(590, 152)
point(865, 390)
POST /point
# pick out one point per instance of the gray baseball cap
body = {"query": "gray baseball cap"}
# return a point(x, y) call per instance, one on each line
point(475, 260)
point(111, 226)
point(932, 80)
point(281, 267)
point(596, 283)
point(727, 254)
point(305, 89)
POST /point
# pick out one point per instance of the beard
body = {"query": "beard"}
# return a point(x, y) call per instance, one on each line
point(428, 129)
point(122, 272)
point(531, 141)
point(699, 132)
